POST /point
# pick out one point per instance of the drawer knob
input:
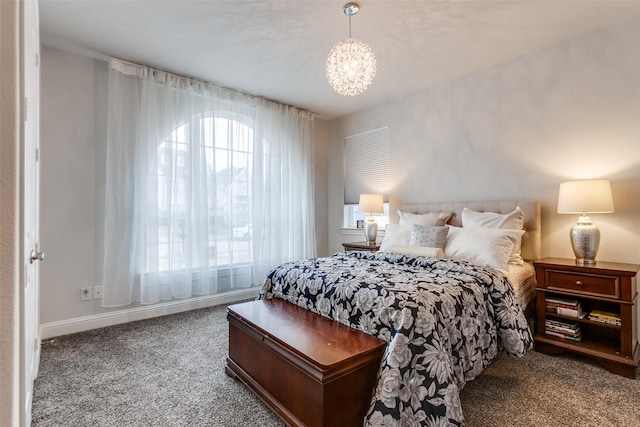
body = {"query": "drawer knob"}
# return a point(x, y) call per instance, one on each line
point(579, 283)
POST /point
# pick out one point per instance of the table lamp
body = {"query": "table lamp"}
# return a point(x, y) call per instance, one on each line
point(370, 204)
point(584, 197)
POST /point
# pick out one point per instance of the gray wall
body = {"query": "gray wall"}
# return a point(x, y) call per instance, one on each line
point(515, 131)
point(73, 137)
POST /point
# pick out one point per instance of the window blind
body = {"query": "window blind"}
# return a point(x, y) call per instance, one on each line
point(367, 164)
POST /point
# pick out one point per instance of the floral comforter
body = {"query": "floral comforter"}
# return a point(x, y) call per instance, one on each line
point(444, 320)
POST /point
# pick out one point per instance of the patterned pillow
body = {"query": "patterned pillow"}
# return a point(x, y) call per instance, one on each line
point(433, 237)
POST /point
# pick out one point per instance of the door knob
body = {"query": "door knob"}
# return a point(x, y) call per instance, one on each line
point(36, 256)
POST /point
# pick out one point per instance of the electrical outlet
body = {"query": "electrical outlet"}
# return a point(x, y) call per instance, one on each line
point(85, 293)
point(97, 292)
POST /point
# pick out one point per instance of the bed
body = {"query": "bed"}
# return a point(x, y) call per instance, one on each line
point(445, 319)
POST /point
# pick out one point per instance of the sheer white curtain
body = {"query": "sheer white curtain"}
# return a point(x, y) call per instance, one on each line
point(206, 189)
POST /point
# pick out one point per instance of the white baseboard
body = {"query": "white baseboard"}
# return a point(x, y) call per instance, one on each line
point(80, 324)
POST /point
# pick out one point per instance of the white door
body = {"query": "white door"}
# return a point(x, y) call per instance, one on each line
point(32, 253)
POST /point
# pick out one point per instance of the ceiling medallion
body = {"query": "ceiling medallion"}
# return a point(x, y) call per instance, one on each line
point(351, 64)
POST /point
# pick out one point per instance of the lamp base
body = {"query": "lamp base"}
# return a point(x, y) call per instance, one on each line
point(371, 231)
point(585, 240)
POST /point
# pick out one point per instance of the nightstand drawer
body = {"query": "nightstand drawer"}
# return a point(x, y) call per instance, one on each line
point(592, 284)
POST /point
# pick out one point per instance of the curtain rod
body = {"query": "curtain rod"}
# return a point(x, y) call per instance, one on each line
point(217, 86)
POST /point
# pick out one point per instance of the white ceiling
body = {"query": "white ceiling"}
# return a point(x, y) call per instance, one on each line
point(277, 49)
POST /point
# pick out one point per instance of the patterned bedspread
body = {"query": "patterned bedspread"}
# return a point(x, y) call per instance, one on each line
point(444, 320)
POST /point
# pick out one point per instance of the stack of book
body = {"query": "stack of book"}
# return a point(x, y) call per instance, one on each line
point(605, 317)
point(564, 330)
point(565, 307)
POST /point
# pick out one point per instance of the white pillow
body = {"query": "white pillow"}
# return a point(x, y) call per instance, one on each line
point(416, 251)
point(426, 219)
point(395, 235)
point(511, 221)
point(488, 247)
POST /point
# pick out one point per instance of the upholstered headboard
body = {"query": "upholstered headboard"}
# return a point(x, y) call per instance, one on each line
point(531, 240)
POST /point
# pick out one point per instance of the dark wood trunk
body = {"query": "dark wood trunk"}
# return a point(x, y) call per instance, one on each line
point(310, 370)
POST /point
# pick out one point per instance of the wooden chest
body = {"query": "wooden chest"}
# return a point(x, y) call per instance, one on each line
point(310, 370)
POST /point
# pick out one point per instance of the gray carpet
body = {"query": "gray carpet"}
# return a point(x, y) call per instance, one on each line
point(169, 371)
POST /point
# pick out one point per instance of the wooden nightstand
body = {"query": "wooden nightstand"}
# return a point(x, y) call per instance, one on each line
point(360, 246)
point(606, 287)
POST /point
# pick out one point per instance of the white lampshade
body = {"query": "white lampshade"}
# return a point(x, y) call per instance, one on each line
point(371, 203)
point(589, 196)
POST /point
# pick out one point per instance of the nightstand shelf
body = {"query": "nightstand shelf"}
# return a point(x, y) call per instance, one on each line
point(583, 321)
point(604, 286)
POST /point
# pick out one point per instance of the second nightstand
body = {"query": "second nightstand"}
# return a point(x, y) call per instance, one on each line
point(588, 309)
point(360, 246)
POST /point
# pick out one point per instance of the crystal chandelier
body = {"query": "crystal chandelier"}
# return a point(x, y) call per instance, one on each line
point(351, 64)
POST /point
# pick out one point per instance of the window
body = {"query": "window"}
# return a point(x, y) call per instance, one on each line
point(206, 189)
point(366, 164)
point(352, 216)
point(215, 152)
point(366, 170)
